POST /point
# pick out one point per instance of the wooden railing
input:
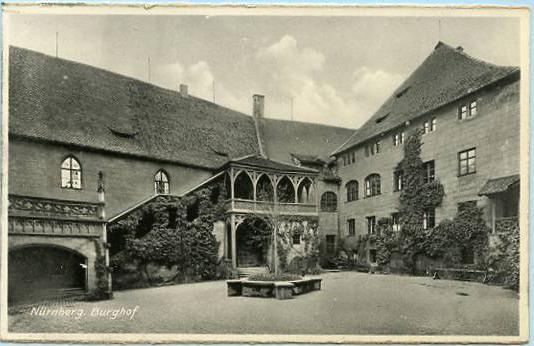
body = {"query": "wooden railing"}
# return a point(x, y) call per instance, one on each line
point(242, 205)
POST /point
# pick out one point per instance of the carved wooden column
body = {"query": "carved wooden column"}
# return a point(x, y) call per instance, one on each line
point(233, 229)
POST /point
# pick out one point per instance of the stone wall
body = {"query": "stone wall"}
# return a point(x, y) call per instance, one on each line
point(82, 245)
point(494, 131)
point(34, 170)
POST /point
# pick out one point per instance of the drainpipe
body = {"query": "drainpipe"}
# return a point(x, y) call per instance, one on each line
point(102, 199)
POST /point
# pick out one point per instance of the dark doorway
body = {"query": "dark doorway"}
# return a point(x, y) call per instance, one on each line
point(252, 240)
point(41, 272)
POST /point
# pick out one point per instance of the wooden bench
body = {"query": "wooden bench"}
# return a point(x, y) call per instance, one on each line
point(463, 274)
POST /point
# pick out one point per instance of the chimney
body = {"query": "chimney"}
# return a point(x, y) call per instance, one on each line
point(183, 91)
point(460, 48)
point(258, 105)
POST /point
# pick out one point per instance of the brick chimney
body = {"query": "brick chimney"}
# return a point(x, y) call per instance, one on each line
point(258, 106)
point(183, 91)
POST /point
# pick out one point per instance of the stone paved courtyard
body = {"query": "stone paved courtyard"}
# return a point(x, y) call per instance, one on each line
point(350, 303)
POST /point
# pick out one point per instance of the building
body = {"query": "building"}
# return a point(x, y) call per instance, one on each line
point(87, 145)
point(468, 111)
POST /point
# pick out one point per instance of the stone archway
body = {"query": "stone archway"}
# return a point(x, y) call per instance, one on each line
point(252, 243)
point(38, 271)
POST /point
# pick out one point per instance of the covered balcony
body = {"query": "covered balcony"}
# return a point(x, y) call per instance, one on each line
point(259, 185)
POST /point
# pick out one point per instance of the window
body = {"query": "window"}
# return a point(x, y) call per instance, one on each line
point(371, 224)
point(372, 185)
point(352, 191)
point(467, 162)
point(430, 125)
point(296, 238)
point(71, 173)
point(161, 182)
point(467, 110)
point(466, 205)
point(473, 108)
point(462, 112)
point(398, 138)
point(395, 217)
point(330, 244)
point(429, 171)
point(329, 201)
point(353, 156)
point(429, 218)
point(373, 148)
point(351, 224)
point(398, 180)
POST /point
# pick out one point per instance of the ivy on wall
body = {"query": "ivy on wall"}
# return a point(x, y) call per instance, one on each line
point(174, 232)
point(416, 196)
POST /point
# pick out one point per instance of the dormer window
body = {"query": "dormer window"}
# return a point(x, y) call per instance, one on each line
point(71, 174)
point(161, 182)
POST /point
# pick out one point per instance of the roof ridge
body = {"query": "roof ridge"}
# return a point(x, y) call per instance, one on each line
point(451, 65)
point(152, 85)
point(307, 123)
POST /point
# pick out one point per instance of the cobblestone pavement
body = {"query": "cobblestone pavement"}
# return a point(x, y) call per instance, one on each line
point(350, 303)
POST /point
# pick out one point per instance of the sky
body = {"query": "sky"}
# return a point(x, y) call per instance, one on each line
point(330, 70)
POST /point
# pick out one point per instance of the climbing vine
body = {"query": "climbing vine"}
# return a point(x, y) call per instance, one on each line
point(172, 231)
point(416, 197)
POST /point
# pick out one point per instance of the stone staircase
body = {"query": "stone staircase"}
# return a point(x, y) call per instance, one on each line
point(245, 272)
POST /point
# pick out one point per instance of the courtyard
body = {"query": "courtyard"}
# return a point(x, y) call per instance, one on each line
point(349, 303)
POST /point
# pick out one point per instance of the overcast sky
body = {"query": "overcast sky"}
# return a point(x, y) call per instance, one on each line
point(337, 70)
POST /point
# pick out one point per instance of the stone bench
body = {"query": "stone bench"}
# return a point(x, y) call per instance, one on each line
point(283, 290)
point(234, 288)
point(278, 289)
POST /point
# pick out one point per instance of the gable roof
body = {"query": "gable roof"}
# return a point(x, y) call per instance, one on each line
point(62, 101)
point(257, 161)
point(284, 138)
point(446, 75)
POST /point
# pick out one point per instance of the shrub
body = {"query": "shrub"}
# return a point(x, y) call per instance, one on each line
point(274, 277)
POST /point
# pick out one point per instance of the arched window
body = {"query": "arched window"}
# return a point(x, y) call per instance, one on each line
point(243, 187)
point(372, 185)
point(352, 190)
point(161, 182)
point(71, 173)
point(304, 191)
point(285, 191)
point(329, 201)
point(264, 189)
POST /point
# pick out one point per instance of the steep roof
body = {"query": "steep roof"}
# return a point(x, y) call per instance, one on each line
point(265, 163)
point(282, 138)
point(62, 101)
point(446, 75)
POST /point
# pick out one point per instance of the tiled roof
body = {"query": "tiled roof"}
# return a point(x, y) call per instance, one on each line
point(498, 185)
point(261, 162)
point(281, 138)
point(63, 101)
point(446, 75)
